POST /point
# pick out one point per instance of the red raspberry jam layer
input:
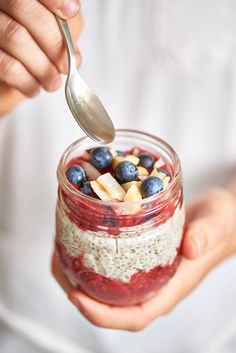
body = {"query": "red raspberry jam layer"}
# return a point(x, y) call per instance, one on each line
point(141, 287)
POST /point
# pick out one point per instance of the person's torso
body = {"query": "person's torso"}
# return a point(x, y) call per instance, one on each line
point(159, 67)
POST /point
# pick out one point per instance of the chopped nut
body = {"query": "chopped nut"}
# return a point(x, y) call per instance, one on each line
point(133, 198)
point(111, 185)
point(132, 158)
point(158, 174)
point(142, 171)
point(166, 181)
point(126, 186)
point(116, 161)
point(99, 191)
point(159, 163)
point(90, 170)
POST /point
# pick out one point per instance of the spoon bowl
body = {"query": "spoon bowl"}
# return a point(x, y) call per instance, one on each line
point(84, 104)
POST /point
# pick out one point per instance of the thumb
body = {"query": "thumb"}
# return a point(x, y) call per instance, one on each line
point(63, 8)
point(210, 220)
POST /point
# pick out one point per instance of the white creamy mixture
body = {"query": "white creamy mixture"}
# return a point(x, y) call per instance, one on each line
point(120, 258)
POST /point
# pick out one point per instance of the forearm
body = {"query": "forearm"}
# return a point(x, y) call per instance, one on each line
point(9, 99)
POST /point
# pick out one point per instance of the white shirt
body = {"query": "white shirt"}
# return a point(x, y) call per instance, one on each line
point(161, 66)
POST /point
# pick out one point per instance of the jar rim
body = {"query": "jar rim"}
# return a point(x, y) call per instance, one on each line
point(163, 195)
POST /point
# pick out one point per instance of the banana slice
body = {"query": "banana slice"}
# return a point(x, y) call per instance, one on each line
point(111, 186)
point(98, 189)
point(133, 198)
point(142, 171)
point(116, 161)
point(91, 172)
point(132, 158)
point(126, 186)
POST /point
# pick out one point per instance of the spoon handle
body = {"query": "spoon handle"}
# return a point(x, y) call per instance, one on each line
point(68, 41)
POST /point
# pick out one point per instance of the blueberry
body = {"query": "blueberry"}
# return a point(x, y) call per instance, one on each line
point(151, 186)
point(126, 171)
point(146, 160)
point(100, 157)
point(86, 189)
point(120, 153)
point(76, 175)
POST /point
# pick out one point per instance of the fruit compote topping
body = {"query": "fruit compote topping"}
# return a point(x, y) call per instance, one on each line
point(119, 176)
point(99, 252)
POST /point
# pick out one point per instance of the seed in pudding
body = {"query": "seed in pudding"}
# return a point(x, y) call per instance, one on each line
point(76, 175)
point(126, 171)
point(100, 157)
point(87, 189)
point(146, 160)
point(151, 186)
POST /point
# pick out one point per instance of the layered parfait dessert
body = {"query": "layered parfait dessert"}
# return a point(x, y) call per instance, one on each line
point(120, 217)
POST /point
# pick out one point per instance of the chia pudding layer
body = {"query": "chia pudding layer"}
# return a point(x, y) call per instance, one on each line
point(121, 257)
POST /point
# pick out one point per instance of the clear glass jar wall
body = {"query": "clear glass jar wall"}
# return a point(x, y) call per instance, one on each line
point(116, 257)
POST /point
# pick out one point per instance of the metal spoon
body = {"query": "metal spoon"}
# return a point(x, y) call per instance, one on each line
point(85, 106)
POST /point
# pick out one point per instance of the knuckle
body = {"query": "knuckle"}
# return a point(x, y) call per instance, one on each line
point(14, 32)
point(56, 42)
point(18, 5)
point(8, 65)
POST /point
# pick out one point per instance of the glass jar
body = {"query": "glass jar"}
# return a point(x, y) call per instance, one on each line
point(113, 256)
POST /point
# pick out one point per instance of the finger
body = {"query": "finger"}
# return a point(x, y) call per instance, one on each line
point(59, 275)
point(43, 27)
point(63, 8)
point(15, 75)
point(9, 98)
point(137, 317)
point(208, 224)
point(188, 276)
point(106, 316)
point(17, 42)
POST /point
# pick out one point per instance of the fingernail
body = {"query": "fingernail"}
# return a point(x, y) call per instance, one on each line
point(70, 8)
point(54, 84)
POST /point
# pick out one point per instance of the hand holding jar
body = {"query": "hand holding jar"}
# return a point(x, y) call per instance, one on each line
point(114, 266)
